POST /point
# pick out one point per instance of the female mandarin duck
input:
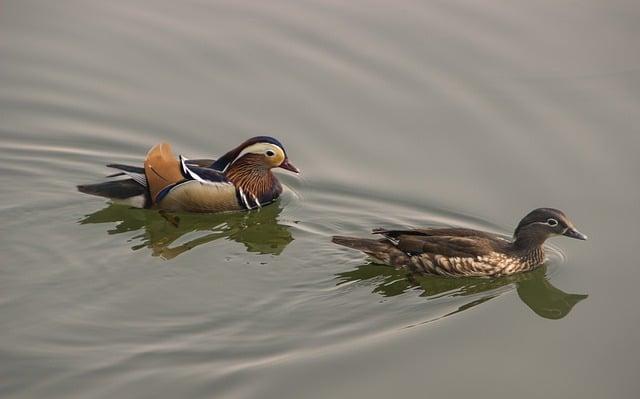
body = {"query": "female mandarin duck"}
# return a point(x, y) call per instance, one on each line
point(458, 252)
point(241, 179)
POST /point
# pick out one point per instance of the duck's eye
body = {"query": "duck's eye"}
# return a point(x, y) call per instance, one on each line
point(552, 222)
point(270, 153)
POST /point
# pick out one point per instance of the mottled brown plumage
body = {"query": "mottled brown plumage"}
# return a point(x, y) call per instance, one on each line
point(458, 252)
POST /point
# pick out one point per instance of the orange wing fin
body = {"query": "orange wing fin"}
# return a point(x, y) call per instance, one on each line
point(162, 169)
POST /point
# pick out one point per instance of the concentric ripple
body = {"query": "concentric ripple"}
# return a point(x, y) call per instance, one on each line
point(228, 292)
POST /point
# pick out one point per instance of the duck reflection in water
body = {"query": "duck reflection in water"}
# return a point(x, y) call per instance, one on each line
point(533, 288)
point(258, 230)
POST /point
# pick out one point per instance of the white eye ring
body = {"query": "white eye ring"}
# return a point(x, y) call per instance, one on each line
point(552, 222)
point(270, 153)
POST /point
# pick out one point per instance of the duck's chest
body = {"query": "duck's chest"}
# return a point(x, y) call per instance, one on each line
point(250, 198)
point(500, 264)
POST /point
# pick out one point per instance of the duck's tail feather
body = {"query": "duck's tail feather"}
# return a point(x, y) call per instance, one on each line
point(134, 172)
point(382, 250)
point(127, 168)
point(127, 191)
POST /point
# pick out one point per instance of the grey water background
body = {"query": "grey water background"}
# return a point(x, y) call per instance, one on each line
point(405, 113)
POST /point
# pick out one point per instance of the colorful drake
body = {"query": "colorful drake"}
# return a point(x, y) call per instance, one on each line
point(458, 252)
point(241, 179)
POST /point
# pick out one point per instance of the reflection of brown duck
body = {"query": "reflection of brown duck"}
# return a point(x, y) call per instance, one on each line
point(257, 230)
point(533, 288)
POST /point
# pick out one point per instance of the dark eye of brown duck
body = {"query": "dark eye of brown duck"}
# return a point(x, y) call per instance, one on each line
point(270, 153)
point(552, 222)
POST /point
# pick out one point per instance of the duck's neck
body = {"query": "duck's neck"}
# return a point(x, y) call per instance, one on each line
point(255, 180)
point(530, 247)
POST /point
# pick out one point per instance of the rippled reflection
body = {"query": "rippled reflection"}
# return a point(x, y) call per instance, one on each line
point(533, 288)
point(259, 230)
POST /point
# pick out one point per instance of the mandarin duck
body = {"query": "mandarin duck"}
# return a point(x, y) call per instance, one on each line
point(459, 252)
point(239, 180)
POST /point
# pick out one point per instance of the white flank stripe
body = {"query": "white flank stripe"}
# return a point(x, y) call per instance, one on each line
point(244, 199)
point(255, 199)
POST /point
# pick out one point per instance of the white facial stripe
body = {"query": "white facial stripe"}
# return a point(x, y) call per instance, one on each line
point(545, 224)
point(260, 148)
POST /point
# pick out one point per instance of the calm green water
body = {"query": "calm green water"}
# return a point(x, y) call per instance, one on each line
point(400, 114)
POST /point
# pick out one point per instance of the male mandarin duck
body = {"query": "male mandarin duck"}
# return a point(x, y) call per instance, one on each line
point(460, 252)
point(240, 180)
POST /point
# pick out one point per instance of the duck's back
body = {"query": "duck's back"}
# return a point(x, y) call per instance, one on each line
point(457, 241)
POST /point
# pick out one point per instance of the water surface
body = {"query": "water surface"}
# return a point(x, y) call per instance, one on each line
point(429, 113)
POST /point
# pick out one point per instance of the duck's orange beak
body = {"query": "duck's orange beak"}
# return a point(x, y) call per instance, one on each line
point(289, 166)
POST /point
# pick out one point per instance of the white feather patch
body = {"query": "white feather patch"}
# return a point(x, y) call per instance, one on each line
point(137, 201)
point(259, 148)
point(189, 172)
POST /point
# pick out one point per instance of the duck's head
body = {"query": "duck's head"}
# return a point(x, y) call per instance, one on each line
point(543, 223)
point(261, 151)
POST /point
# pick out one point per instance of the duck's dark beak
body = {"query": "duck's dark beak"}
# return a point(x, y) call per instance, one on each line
point(573, 233)
point(289, 166)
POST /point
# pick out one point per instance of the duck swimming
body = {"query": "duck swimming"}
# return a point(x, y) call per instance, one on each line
point(239, 180)
point(459, 252)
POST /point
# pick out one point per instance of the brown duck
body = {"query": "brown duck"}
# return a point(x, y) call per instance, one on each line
point(239, 180)
point(458, 252)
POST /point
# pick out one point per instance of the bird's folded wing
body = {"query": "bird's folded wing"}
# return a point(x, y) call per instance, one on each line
point(447, 231)
point(197, 189)
point(162, 169)
point(203, 163)
point(445, 245)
